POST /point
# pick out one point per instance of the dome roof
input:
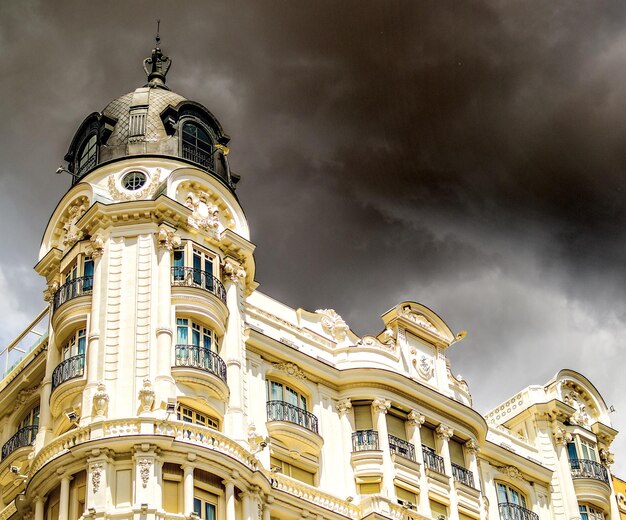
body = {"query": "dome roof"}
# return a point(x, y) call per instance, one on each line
point(151, 120)
point(156, 99)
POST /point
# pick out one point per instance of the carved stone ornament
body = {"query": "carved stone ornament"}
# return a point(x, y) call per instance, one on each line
point(472, 447)
point(291, 369)
point(444, 432)
point(425, 366)
point(146, 396)
point(254, 439)
point(167, 238)
point(458, 380)
point(415, 418)
point(148, 189)
point(580, 416)
point(96, 246)
point(388, 337)
point(51, 290)
point(512, 472)
point(205, 214)
point(333, 324)
point(71, 233)
point(419, 319)
point(96, 477)
point(144, 471)
point(381, 404)
point(562, 436)
point(606, 457)
point(372, 342)
point(343, 406)
point(234, 270)
point(100, 400)
point(486, 507)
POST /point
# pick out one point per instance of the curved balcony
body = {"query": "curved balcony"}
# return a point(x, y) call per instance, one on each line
point(201, 358)
point(463, 475)
point(433, 461)
point(510, 511)
point(582, 468)
point(284, 411)
point(70, 368)
point(23, 437)
point(191, 277)
point(294, 427)
point(365, 440)
point(401, 447)
point(71, 289)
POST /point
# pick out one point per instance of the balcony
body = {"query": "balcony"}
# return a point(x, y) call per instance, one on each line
point(296, 428)
point(284, 411)
point(24, 437)
point(433, 461)
point(582, 468)
point(510, 511)
point(70, 368)
point(71, 289)
point(191, 277)
point(463, 475)
point(200, 358)
point(401, 447)
point(365, 440)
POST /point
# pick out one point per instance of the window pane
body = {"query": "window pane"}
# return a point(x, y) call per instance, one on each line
point(210, 512)
point(502, 496)
point(197, 506)
point(291, 396)
point(277, 391)
point(181, 334)
point(571, 451)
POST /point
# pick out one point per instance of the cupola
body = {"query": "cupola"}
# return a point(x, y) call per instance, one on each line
point(151, 121)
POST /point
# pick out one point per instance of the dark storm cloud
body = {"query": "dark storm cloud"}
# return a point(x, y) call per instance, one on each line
point(468, 155)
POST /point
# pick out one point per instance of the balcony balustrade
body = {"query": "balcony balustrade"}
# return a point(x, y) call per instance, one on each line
point(582, 468)
point(284, 411)
point(201, 358)
point(401, 447)
point(73, 289)
point(463, 475)
point(433, 461)
point(68, 369)
point(510, 511)
point(191, 277)
point(365, 440)
point(23, 437)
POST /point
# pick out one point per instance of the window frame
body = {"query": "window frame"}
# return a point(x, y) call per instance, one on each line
point(198, 124)
point(196, 417)
point(86, 166)
point(195, 329)
point(185, 257)
point(509, 488)
point(75, 344)
point(591, 512)
point(581, 446)
point(302, 400)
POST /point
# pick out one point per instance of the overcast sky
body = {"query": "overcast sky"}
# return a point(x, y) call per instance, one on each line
point(466, 155)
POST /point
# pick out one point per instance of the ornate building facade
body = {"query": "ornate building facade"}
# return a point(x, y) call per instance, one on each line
point(166, 386)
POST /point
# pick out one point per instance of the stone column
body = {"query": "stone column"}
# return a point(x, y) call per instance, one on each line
point(233, 348)
point(229, 492)
point(45, 416)
point(563, 471)
point(267, 507)
point(64, 498)
point(344, 409)
point(167, 240)
point(39, 502)
point(444, 434)
point(415, 421)
point(245, 505)
point(187, 489)
point(93, 346)
point(471, 450)
point(380, 407)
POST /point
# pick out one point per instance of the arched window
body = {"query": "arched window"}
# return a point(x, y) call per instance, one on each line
point(87, 155)
point(588, 512)
point(512, 503)
point(197, 145)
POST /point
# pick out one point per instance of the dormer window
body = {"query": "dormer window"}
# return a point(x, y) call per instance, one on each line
point(87, 155)
point(197, 145)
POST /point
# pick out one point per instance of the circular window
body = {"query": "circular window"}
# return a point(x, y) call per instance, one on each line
point(134, 180)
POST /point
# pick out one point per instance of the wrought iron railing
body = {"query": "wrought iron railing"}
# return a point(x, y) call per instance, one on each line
point(23, 437)
point(364, 440)
point(68, 369)
point(283, 411)
point(401, 447)
point(432, 460)
point(72, 289)
point(461, 474)
point(510, 511)
point(195, 154)
point(582, 468)
point(191, 277)
point(202, 358)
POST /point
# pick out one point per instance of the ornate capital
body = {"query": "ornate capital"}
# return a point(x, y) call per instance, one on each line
point(561, 435)
point(343, 406)
point(381, 405)
point(415, 418)
point(167, 238)
point(234, 270)
point(444, 432)
point(96, 246)
point(472, 447)
point(50, 291)
point(606, 457)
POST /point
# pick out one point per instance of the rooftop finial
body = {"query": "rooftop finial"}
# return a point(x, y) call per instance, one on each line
point(157, 65)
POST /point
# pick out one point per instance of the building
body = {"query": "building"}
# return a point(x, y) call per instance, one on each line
point(165, 385)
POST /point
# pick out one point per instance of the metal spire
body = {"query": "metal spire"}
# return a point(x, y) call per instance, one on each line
point(157, 65)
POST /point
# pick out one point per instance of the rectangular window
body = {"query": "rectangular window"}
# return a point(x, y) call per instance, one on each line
point(301, 474)
point(204, 504)
point(456, 453)
point(189, 415)
point(369, 488)
point(362, 417)
point(438, 511)
point(405, 495)
point(395, 426)
point(588, 450)
point(428, 437)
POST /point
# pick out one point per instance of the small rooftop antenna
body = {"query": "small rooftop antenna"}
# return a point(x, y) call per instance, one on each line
point(158, 38)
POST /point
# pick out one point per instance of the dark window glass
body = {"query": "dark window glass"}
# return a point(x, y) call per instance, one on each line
point(197, 145)
point(87, 156)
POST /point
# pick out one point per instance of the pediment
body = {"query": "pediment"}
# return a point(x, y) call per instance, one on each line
point(420, 321)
